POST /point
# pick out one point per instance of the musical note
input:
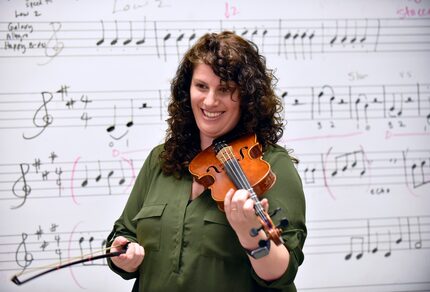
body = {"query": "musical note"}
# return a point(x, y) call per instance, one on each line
point(353, 242)
point(115, 40)
point(364, 36)
point(122, 180)
point(295, 36)
point(85, 181)
point(419, 242)
point(84, 254)
point(165, 39)
point(178, 40)
point(191, 38)
point(110, 129)
point(142, 40)
point(400, 239)
point(99, 176)
point(388, 252)
point(310, 180)
point(130, 123)
point(263, 39)
point(345, 37)
point(334, 38)
point(102, 39)
point(423, 171)
point(375, 247)
point(347, 165)
point(108, 181)
point(127, 41)
point(287, 36)
point(331, 97)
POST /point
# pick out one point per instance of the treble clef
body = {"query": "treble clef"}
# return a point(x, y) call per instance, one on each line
point(47, 119)
point(53, 47)
point(28, 257)
point(26, 189)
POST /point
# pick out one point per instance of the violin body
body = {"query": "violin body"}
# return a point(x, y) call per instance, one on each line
point(208, 169)
point(238, 165)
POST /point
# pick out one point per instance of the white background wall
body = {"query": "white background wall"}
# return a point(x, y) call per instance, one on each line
point(354, 77)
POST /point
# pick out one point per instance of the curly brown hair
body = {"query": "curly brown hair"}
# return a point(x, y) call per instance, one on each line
point(232, 58)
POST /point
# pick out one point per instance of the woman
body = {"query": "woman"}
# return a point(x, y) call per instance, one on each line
point(179, 239)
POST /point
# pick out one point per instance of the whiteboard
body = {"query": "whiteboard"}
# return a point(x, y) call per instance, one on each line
point(83, 91)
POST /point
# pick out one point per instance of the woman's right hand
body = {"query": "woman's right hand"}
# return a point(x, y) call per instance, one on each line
point(131, 260)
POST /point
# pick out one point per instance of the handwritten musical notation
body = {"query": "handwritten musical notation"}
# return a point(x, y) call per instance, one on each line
point(52, 178)
point(360, 105)
point(376, 172)
point(49, 245)
point(116, 112)
point(349, 239)
point(289, 39)
point(358, 239)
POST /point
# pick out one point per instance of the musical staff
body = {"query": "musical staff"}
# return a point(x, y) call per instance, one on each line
point(49, 245)
point(62, 108)
point(82, 102)
point(299, 39)
point(361, 105)
point(376, 172)
point(362, 238)
point(118, 111)
point(76, 179)
point(349, 239)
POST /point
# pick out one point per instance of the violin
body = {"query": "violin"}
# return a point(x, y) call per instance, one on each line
point(238, 164)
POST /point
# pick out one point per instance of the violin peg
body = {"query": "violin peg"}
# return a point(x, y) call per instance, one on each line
point(283, 223)
point(273, 213)
point(254, 231)
point(263, 243)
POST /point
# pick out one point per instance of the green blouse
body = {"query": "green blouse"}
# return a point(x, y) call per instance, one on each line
point(190, 246)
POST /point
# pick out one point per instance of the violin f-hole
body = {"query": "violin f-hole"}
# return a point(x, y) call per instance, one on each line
point(214, 168)
point(242, 155)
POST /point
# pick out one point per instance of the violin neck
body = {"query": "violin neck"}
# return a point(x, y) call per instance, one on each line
point(259, 210)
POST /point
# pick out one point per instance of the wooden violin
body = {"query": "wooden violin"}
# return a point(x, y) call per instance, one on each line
point(238, 164)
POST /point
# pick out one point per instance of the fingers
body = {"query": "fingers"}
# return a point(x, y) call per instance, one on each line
point(227, 201)
point(238, 206)
point(265, 204)
point(131, 260)
point(118, 243)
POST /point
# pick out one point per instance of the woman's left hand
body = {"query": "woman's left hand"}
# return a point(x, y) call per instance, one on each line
point(239, 209)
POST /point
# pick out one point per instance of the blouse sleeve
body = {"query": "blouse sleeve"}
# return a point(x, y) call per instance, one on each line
point(287, 193)
point(125, 226)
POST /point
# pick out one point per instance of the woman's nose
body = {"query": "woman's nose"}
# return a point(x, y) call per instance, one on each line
point(210, 99)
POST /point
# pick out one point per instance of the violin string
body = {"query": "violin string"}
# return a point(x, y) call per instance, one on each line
point(228, 155)
point(237, 168)
point(69, 260)
point(229, 160)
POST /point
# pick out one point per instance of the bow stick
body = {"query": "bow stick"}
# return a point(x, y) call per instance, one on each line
point(70, 263)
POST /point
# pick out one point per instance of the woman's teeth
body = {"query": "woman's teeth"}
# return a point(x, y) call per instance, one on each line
point(211, 114)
